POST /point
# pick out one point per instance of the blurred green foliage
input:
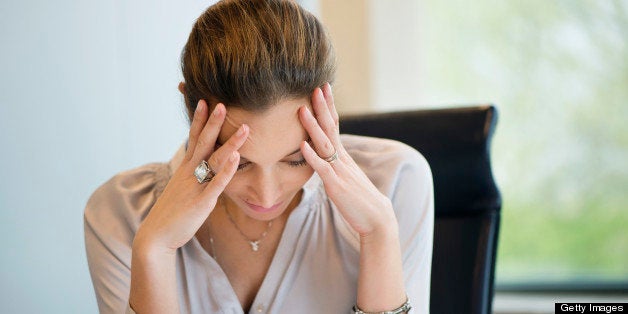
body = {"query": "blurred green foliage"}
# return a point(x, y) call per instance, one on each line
point(558, 72)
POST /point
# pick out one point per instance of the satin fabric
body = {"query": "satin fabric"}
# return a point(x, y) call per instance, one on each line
point(315, 267)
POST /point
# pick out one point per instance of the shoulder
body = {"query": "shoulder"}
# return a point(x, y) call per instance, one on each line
point(402, 174)
point(112, 216)
point(123, 201)
point(387, 162)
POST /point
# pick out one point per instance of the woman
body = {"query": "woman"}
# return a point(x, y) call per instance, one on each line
point(266, 208)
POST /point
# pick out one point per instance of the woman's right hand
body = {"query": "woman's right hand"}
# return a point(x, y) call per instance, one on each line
point(185, 204)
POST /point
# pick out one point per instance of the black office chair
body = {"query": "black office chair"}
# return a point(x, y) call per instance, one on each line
point(456, 143)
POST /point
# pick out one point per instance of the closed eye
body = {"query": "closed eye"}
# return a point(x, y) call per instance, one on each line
point(297, 163)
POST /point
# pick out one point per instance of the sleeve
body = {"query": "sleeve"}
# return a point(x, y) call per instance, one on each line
point(402, 174)
point(112, 216)
point(412, 196)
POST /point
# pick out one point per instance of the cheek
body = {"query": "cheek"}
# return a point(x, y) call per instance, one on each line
point(238, 185)
point(234, 186)
point(293, 179)
point(300, 176)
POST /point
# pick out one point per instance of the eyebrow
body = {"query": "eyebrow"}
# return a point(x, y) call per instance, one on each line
point(294, 152)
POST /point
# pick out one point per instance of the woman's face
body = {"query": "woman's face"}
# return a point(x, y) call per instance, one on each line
point(272, 169)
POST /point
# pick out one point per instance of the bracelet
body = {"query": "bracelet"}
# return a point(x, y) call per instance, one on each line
point(403, 308)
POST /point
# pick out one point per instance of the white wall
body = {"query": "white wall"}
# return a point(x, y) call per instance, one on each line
point(87, 89)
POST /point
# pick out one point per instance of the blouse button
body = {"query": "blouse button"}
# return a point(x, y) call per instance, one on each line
point(260, 308)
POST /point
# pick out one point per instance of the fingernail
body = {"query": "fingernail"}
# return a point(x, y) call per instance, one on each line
point(217, 110)
point(320, 91)
point(199, 107)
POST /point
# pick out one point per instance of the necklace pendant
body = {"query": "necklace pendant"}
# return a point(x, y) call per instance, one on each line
point(254, 245)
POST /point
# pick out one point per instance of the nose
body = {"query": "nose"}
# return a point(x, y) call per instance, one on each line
point(266, 188)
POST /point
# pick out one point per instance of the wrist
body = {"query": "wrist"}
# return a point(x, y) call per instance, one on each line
point(385, 231)
point(404, 308)
point(380, 279)
point(153, 279)
point(153, 276)
point(145, 247)
point(383, 222)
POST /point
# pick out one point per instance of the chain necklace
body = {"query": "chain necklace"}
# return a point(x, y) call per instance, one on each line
point(254, 243)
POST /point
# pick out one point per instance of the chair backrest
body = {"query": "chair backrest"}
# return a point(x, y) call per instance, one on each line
point(456, 143)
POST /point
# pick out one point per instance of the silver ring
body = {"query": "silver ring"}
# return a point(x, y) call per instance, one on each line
point(203, 172)
point(331, 159)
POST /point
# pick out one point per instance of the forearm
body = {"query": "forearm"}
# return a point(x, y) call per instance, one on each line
point(153, 280)
point(380, 279)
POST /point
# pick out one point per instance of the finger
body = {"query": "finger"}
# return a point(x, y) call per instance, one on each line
point(221, 155)
point(198, 121)
point(219, 182)
point(329, 99)
point(323, 146)
point(206, 141)
point(323, 116)
point(323, 168)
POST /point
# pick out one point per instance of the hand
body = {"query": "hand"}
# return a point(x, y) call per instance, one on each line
point(362, 205)
point(185, 204)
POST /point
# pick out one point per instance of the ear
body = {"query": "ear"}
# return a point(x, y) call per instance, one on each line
point(182, 88)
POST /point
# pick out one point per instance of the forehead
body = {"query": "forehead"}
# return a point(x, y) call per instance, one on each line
point(274, 133)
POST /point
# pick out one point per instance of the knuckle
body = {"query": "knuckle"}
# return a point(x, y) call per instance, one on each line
point(328, 146)
point(214, 160)
point(188, 156)
point(324, 127)
point(202, 142)
point(330, 128)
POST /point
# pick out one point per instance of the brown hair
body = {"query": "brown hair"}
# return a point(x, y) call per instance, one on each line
point(253, 53)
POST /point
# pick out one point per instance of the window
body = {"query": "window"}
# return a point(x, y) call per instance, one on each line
point(558, 72)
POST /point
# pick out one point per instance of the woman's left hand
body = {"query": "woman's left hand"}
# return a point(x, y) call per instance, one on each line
point(362, 205)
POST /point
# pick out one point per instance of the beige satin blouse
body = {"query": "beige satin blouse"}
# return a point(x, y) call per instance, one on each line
point(315, 267)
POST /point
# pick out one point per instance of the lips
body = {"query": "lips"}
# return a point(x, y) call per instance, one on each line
point(261, 209)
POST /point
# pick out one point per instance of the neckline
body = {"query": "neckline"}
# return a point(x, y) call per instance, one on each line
point(272, 278)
